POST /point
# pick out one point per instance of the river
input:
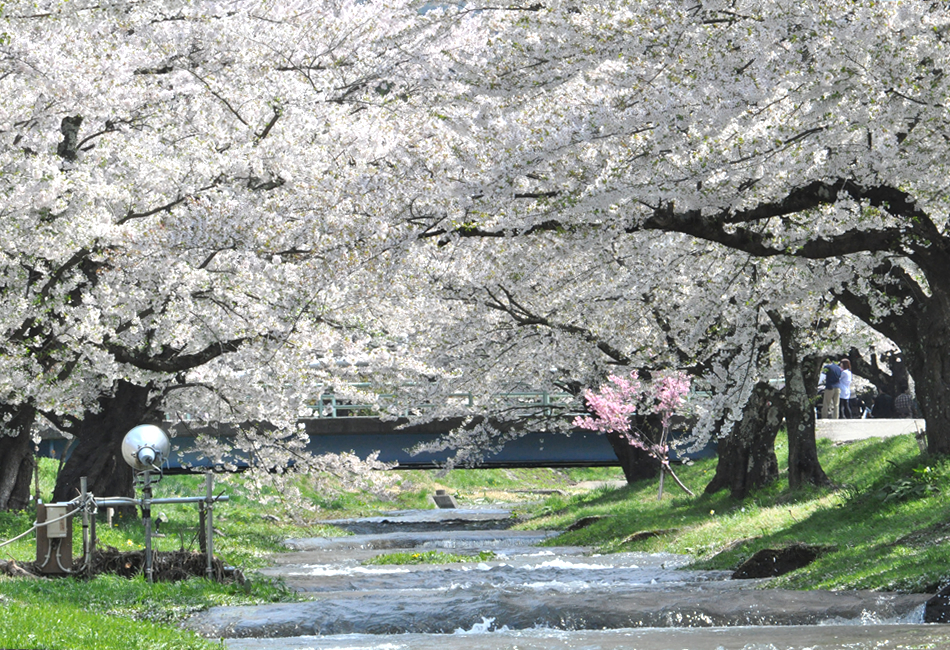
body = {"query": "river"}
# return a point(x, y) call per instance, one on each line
point(531, 597)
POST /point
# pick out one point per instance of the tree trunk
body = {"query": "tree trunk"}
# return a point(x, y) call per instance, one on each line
point(747, 456)
point(923, 340)
point(884, 381)
point(921, 331)
point(17, 460)
point(636, 463)
point(803, 465)
point(930, 368)
point(97, 454)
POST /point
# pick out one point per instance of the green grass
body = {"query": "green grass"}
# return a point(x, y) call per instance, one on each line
point(413, 488)
point(52, 626)
point(99, 613)
point(888, 521)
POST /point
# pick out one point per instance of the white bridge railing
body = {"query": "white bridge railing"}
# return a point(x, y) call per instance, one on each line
point(331, 405)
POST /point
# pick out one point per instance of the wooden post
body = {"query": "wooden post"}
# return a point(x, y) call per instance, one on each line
point(147, 520)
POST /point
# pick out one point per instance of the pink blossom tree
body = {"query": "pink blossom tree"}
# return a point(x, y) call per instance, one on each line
point(615, 403)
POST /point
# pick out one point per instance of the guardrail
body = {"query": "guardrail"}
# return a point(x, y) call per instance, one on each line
point(331, 405)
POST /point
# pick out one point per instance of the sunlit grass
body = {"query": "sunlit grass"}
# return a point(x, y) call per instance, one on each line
point(52, 626)
point(113, 612)
point(895, 544)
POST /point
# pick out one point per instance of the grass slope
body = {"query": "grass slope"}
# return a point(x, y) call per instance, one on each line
point(888, 522)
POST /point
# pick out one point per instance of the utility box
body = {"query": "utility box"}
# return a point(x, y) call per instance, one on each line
point(54, 542)
point(59, 527)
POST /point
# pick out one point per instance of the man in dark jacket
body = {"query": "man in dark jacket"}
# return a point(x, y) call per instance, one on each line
point(831, 378)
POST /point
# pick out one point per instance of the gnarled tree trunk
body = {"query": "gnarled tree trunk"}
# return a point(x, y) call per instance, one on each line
point(870, 369)
point(17, 460)
point(747, 455)
point(930, 367)
point(637, 464)
point(922, 332)
point(97, 454)
point(803, 465)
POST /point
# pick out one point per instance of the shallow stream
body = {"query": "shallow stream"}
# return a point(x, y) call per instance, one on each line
point(552, 598)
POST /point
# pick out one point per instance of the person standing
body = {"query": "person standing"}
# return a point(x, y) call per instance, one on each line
point(832, 393)
point(904, 403)
point(883, 406)
point(844, 384)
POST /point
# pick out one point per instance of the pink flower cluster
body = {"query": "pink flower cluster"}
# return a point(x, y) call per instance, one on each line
point(671, 391)
point(613, 405)
point(615, 402)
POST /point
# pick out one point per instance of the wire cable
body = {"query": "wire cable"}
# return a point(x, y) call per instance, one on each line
point(37, 524)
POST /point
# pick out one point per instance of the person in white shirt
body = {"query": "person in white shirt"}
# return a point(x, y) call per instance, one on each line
point(845, 385)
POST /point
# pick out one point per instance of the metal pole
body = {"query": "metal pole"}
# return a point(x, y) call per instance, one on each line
point(209, 520)
point(127, 501)
point(147, 520)
point(86, 551)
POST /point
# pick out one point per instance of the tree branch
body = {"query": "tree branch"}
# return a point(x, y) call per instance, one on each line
point(524, 317)
point(177, 362)
point(270, 125)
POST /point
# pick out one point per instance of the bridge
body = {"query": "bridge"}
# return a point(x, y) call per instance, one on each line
point(363, 436)
point(337, 426)
point(392, 439)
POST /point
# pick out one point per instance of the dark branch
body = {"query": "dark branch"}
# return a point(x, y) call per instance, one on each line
point(270, 125)
point(525, 317)
point(148, 213)
point(168, 206)
point(178, 362)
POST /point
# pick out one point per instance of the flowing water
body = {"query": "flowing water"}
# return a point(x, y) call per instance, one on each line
point(529, 597)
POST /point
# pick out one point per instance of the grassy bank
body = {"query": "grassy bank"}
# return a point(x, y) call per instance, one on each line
point(885, 528)
point(64, 613)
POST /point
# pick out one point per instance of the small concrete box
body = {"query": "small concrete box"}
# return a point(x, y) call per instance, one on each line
point(444, 500)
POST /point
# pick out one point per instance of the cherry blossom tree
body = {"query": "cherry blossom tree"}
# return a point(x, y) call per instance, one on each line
point(558, 312)
point(202, 197)
point(189, 191)
point(614, 404)
point(811, 131)
point(563, 310)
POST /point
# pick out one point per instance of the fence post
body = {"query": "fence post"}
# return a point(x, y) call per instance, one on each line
point(209, 508)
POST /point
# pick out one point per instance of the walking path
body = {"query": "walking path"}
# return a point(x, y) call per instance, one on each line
point(846, 430)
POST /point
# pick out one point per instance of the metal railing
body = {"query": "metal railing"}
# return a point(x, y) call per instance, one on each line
point(331, 405)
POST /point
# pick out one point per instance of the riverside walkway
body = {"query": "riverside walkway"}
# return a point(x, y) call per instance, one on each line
point(847, 430)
